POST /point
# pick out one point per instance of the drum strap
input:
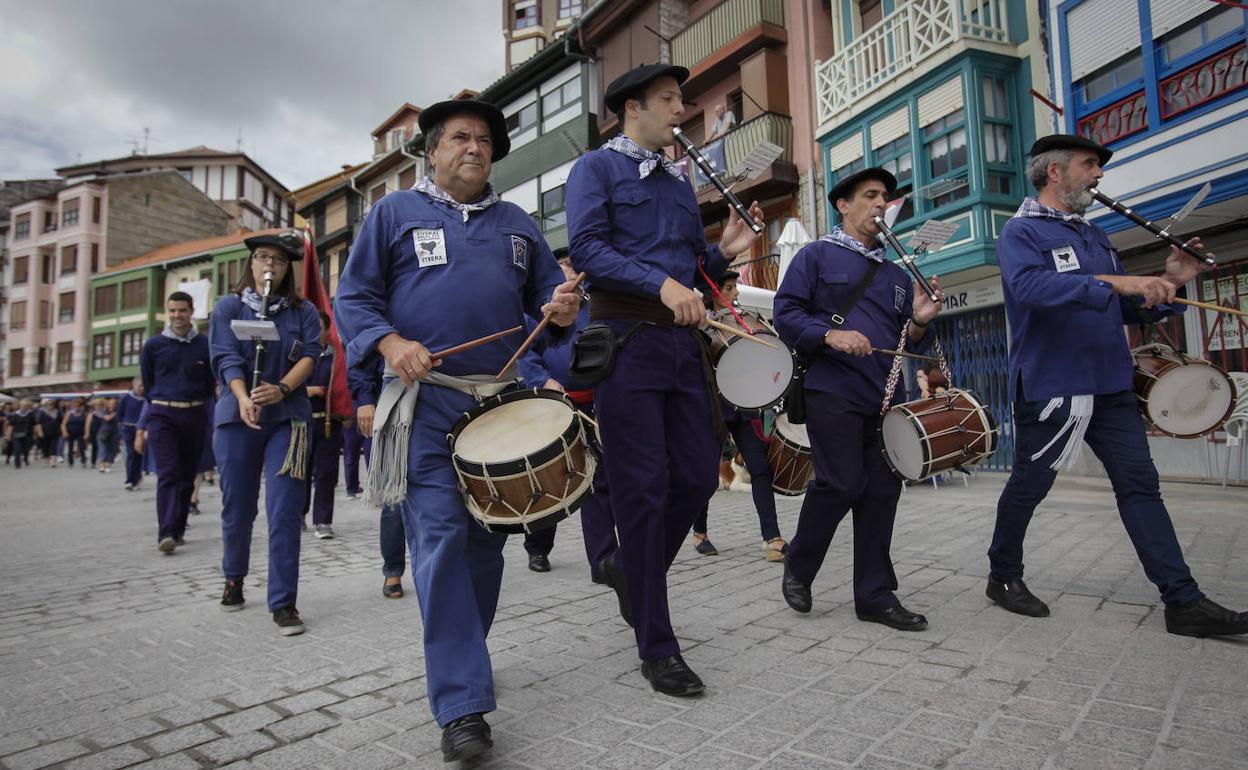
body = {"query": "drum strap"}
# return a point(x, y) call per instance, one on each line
point(838, 318)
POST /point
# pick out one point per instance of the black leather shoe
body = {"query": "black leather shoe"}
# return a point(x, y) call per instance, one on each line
point(539, 563)
point(1014, 596)
point(614, 577)
point(1205, 618)
point(795, 592)
point(672, 676)
point(466, 737)
point(599, 579)
point(897, 617)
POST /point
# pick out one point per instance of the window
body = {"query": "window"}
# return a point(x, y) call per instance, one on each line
point(106, 299)
point(1120, 73)
point(16, 357)
point(852, 167)
point(95, 258)
point(1200, 32)
point(48, 264)
point(407, 178)
point(522, 120)
point(222, 286)
point(69, 213)
point(69, 260)
point(21, 269)
point(49, 221)
point(570, 9)
point(68, 300)
point(17, 316)
point(64, 356)
point(567, 94)
point(95, 210)
point(21, 227)
point(45, 314)
point(897, 158)
point(871, 12)
point(232, 271)
point(553, 214)
point(376, 194)
point(134, 294)
point(525, 14)
point(102, 351)
point(187, 173)
point(736, 105)
point(41, 364)
point(131, 347)
point(945, 143)
point(996, 128)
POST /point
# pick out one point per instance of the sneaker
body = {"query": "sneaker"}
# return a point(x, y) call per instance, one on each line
point(232, 598)
point(103, 470)
point(193, 508)
point(129, 487)
point(166, 545)
point(324, 532)
point(288, 622)
point(179, 541)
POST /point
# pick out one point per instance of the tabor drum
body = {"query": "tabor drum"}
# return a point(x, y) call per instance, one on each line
point(747, 375)
point(522, 460)
point(788, 454)
point(1181, 396)
point(922, 438)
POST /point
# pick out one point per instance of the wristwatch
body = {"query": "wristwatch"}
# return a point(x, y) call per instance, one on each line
point(284, 388)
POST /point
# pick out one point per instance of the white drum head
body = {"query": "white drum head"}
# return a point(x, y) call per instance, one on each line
point(903, 444)
point(513, 430)
point(751, 376)
point(1189, 400)
point(794, 434)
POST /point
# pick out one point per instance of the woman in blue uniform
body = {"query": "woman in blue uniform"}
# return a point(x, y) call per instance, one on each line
point(264, 429)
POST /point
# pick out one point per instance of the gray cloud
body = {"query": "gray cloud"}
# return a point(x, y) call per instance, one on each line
point(305, 81)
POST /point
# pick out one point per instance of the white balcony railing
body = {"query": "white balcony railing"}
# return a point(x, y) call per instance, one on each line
point(902, 40)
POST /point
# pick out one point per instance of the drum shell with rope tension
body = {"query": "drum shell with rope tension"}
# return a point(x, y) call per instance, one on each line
point(924, 437)
point(788, 454)
point(522, 460)
point(1179, 395)
point(747, 375)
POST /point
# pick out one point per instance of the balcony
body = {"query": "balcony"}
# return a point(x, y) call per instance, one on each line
point(716, 43)
point(903, 41)
point(782, 177)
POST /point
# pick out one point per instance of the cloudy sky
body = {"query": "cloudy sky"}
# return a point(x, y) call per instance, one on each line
point(304, 80)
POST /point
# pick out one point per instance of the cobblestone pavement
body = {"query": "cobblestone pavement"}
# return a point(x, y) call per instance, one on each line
point(113, 655)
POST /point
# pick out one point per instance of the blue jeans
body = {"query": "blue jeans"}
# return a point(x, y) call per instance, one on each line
point(393, 542)
point(1116, 434)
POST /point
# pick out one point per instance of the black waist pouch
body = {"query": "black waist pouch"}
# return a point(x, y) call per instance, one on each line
point(794, 406)
point(593, 353)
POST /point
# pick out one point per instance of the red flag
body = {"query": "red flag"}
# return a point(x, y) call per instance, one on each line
point(339, 400)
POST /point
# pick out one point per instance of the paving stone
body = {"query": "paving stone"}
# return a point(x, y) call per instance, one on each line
point(235, 747)
point(118, 756)
point(43, 756)
point(182, 738)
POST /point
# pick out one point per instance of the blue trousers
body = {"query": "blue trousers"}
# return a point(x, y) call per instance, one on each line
point(323, 476)
point(353, 443)
point(457, 566)
point(75, 445)
point(393, 542)
point(1116, 434)
point(661, 456)
point(755, 454)
point(850, 474)
point(134, 459)
point(243, 455)
point(175, 440)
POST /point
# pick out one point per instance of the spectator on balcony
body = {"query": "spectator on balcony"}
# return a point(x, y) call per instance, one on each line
point(725, 122)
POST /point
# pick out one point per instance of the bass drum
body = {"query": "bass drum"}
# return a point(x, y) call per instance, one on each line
point(788, 454)
point(922, 438)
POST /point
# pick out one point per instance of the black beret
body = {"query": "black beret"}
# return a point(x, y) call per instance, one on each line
point(845, 187)
point(729, 275)
point(289, 241)
point(1070, 142)
point(635, 80)
point(436, 113)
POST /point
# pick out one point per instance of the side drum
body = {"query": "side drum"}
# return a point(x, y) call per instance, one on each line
point(747, 375)
point(1181, 396)
point(789, 456)
point(522, 460)
point(922, 438)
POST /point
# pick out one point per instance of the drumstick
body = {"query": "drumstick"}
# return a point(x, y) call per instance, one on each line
point(903, 354)
point(441, 354)
point(738, 332)
point(536, 331)
point(1209, 306)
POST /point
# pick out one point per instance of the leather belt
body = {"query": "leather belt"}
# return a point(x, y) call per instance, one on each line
point(178, 404)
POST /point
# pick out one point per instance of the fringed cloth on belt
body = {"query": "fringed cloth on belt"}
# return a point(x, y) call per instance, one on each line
point(392, 428)
point(1078, 415)
point(296, 463)
point(615, 306)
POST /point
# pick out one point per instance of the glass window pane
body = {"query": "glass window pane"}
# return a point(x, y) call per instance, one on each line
point(1131, 68)
point(1182, 43)
point(551, 103)
point(528, 116)
point(1225, 21)
point(957, 149)
point(905, 168)
point(571, 90)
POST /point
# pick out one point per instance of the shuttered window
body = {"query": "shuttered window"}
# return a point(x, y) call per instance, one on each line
point(846, 152)
point(890, 127)
point(1101, 31)
point(942, 100)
